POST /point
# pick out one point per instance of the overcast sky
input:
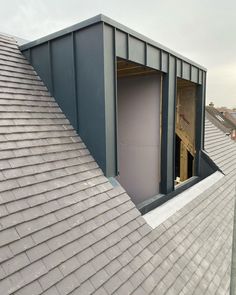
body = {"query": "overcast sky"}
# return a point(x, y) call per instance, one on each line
point(202, 30)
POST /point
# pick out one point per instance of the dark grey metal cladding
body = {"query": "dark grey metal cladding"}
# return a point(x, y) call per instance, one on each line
point(133, 49)
point(189, 72)
point(91, 91)
point(40, 59)
point(168, 127)
point(186, 71)
point(136, 50)
point(110, 81)
point(199, 125)
point(72, 67)
point(121, 40)
point(62, 74)
point(194, 74)
point(153, 57)
point(207, 165)
point(54, 62)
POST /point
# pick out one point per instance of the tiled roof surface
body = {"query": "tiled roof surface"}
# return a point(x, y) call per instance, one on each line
point(219, 119)
point(65, 230)
point(220, 148)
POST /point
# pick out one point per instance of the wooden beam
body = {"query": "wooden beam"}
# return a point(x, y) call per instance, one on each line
point(186, 140)
point(135, 73)
point(127, 68)
point(183, 162)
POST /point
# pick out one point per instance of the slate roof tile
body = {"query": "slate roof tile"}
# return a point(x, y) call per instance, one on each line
point(38, 252)
point(5, 286)
point(51, 291)
point(69, 266)
point(31, 289)
point(65, 229)
point(71, 284)
point(86, 288)
point(33, 271)
point(50, 279)
point(5, 253)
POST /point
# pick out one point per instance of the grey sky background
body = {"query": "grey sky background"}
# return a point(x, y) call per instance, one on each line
point(204, 31)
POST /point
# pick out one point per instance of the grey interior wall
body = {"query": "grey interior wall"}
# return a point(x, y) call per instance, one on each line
point(139, 135)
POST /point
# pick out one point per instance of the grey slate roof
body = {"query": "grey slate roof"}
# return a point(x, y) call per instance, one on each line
point(65, 230)
point(218, 119)
point(19, 40)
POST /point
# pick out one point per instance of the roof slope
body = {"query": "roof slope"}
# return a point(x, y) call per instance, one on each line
point(220, 148)
point(218, 119)
point(65, 230)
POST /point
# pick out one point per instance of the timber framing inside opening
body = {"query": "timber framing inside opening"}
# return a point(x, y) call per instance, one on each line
point(185, 125)
point(126, 69)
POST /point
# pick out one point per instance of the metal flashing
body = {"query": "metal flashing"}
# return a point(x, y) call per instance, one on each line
point(163, 212)
point(102, 18)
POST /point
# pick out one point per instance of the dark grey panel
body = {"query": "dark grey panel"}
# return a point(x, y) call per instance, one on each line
point(179, 68)
point(168, 128)
point(194, 74)
point(63, 75)
point(153, 57)
point(90, 87)
point(121, 44)
point(136, 50)
point(27, 54)
point(207, 166)
point(110, 100)
point(200, 77)
point(186, 71)
point(164, 61)
point(41, 62)
point(199, 131)
point(203, 110)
